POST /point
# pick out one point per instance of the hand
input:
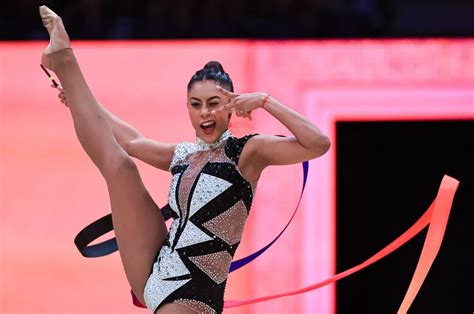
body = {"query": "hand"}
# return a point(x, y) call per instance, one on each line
point(61, 94)
point(242, 104)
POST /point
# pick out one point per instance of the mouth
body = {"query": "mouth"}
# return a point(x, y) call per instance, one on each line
point(208, 127)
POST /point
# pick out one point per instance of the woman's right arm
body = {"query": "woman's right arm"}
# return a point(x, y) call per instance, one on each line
point(152, 152)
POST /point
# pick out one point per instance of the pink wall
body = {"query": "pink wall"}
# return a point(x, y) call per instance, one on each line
point(50, 190)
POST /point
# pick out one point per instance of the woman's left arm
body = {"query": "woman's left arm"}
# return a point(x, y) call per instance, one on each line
point(308, 141)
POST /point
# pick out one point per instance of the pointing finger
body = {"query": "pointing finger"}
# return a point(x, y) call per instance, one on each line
point(227, 107)
point(225, 91)
point(218, 109)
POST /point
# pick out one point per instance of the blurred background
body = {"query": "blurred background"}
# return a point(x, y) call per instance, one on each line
point(165, 19)
point(391, 82)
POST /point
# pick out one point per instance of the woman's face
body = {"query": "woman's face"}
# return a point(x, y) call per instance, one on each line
point(203, 99)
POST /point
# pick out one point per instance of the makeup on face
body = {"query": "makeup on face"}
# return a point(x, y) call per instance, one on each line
point(204, 100)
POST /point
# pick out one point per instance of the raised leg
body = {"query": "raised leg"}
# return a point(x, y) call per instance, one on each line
point(139, 226)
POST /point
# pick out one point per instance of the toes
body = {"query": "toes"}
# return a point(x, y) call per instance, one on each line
point(48, 17)
point(43, 11)
point(46, 12)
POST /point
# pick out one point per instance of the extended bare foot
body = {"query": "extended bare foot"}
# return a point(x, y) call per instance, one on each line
point(59, 39)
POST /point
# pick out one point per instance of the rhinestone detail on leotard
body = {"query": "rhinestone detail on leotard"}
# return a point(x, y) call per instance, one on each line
point(215, 265)
point(230, 224)
point(211, 200)
point(197, 306)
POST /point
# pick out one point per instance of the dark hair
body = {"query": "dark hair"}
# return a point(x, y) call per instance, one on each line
point(213, 71)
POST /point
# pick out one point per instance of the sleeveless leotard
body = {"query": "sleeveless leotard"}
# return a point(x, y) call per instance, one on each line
point(210, 201)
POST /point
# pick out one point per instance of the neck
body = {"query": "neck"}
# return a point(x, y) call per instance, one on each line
point(204, 145)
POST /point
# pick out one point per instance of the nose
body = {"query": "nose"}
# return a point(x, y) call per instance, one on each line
point(205, 111)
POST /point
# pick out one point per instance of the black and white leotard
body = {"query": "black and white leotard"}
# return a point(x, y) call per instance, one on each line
point(210, 200)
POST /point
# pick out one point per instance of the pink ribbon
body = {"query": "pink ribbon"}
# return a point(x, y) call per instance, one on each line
point(436, 216)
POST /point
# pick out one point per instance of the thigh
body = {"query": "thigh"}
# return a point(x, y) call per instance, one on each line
point(138, 224)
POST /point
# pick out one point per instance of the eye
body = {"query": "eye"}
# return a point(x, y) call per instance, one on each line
point(213, 104)
point(195, 104)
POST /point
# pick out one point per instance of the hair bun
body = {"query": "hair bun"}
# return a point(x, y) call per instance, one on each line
point(214, 65)
point(212, 71)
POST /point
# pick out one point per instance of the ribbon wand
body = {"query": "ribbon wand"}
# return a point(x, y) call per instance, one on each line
point(49, 76)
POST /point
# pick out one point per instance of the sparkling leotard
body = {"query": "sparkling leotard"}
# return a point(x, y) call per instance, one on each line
point(210, 201)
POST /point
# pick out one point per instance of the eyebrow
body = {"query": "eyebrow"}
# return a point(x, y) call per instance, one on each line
point(211, 98)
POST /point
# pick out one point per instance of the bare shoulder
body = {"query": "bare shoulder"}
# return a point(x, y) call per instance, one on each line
point(250, 163)
point(252, 146)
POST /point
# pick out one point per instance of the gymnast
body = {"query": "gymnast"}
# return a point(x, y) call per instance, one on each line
point(185, 269)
